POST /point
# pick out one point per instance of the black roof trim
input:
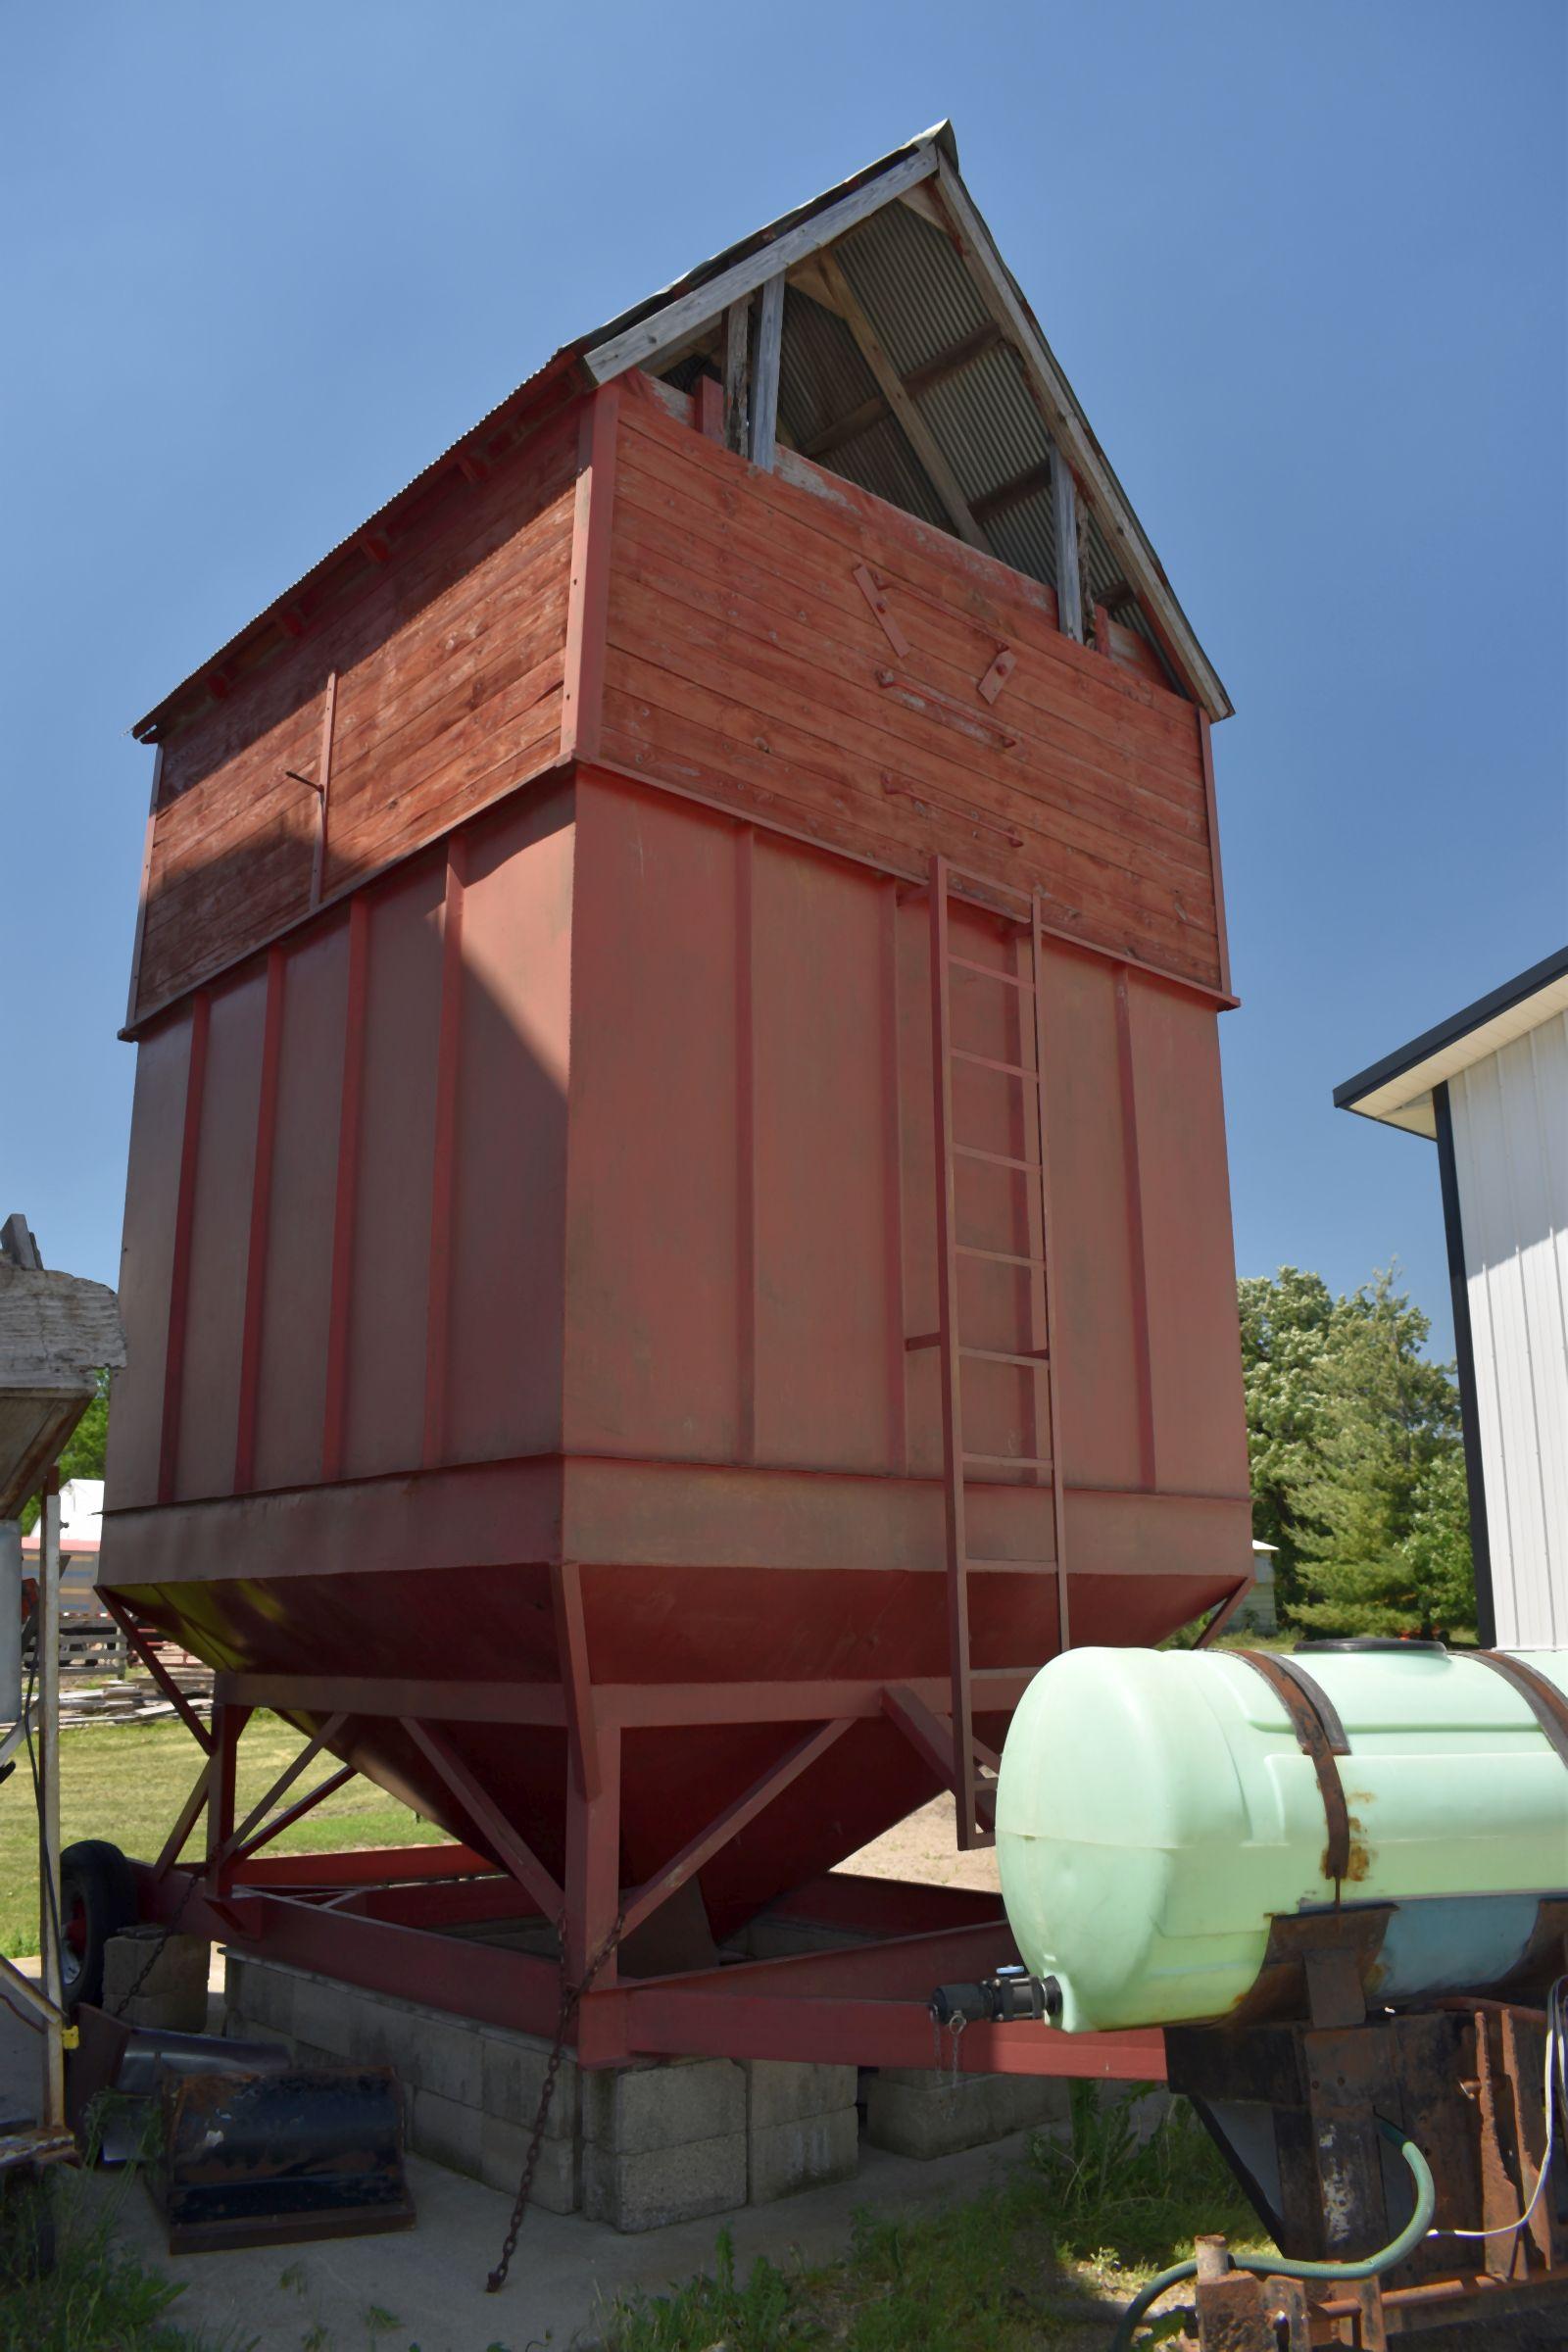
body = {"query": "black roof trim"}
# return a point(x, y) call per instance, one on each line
point(1449, 1033)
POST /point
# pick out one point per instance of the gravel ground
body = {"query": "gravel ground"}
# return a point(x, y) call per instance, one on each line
point(924, 1849)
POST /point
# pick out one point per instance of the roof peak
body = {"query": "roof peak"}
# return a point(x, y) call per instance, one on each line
point(909, 363)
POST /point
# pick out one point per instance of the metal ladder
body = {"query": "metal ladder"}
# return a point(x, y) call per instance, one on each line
point(1028, 1169)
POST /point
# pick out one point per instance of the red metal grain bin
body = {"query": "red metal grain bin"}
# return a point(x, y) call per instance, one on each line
point(607, 1344)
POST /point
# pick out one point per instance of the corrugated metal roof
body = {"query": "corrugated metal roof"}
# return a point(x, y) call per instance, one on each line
point(924, 305)
point(919, 292)
point(822, 377)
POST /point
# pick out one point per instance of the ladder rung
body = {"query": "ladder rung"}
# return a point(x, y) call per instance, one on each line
point(1031, 1360)
point(989, 971)
point(972, 1561)
point(984, 1062)
point(996, 1160)
point(999, 1257)
point(1009, 1461)
point(924, 1339)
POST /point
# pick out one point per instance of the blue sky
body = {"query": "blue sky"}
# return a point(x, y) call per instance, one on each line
point(1306, 267)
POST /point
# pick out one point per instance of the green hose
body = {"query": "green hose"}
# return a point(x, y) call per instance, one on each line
point(1263, 2267)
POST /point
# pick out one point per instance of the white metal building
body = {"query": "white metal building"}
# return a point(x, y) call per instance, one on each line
point(1490, 1085)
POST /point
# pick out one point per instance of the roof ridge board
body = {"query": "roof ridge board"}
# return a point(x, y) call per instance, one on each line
point(692, 302)
point(938, 138)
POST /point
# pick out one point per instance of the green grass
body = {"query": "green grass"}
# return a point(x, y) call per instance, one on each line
point(127, 1783)
point(96, 2297)
point(1043, 2260)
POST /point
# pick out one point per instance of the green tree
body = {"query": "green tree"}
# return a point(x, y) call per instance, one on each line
point(1437, 1546)
point(1286, 1350)
point(1357, 1472)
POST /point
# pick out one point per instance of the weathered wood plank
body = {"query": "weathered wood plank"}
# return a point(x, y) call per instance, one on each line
point(438, 555)
point(459, 636)
point(864, 721)
point(640, 346)
point(737, 359)
point(821, 567)
point(763, 428)
point(1069, 578)
point(955, 577)
point(734, 594)
point(736, 774)
point(743, 656)
point(1148, 683)
point(389, 767)
point(449, 676)
point(807, 766)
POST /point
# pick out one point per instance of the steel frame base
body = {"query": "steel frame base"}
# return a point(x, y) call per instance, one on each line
point(385, 1920)
point(382, 1921)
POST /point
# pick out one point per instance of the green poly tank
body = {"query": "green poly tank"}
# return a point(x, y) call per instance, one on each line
point(1154, 1813)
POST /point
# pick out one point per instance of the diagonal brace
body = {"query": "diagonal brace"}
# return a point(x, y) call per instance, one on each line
point(158, 1672)
point(237, 1838)
point(189, 1814)
point(932, 1738)
point(518, 1858)
point(729, 1824)
point(294, 1812)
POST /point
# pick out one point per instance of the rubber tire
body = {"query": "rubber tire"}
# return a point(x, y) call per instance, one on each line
point(97, 1876)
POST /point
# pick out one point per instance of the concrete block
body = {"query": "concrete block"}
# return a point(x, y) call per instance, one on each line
point(924, 2114)
point(780, 2090)
point(503, 2149)
point(445, 2129)
point(320, 2012)
point(376, 2033)
point(170, 1997)
point(239, 2028)
point(163, 2013)
point(637, 2110)
point(659, 2186)
point(441, 2054)
point(512, 2073)
point(803, 2153)
point(262, 1990)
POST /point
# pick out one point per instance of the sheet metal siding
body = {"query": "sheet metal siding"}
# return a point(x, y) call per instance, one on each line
point(1510, 1132)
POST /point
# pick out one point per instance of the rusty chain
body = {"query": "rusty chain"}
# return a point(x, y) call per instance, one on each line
point(570, 2001)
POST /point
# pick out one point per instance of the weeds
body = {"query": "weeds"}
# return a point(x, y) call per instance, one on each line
point(712, 2308)
point(1145, 2194)
point(95, 2297)
point(1026, 2265)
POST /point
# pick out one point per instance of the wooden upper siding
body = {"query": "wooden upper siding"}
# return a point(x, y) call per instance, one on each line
point(433, 688)
point(722, 645)
point(745, 664)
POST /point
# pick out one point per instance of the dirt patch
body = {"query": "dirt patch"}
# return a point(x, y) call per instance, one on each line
point(926, 1848)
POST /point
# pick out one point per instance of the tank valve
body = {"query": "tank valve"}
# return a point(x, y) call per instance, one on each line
point(1006, 1998)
